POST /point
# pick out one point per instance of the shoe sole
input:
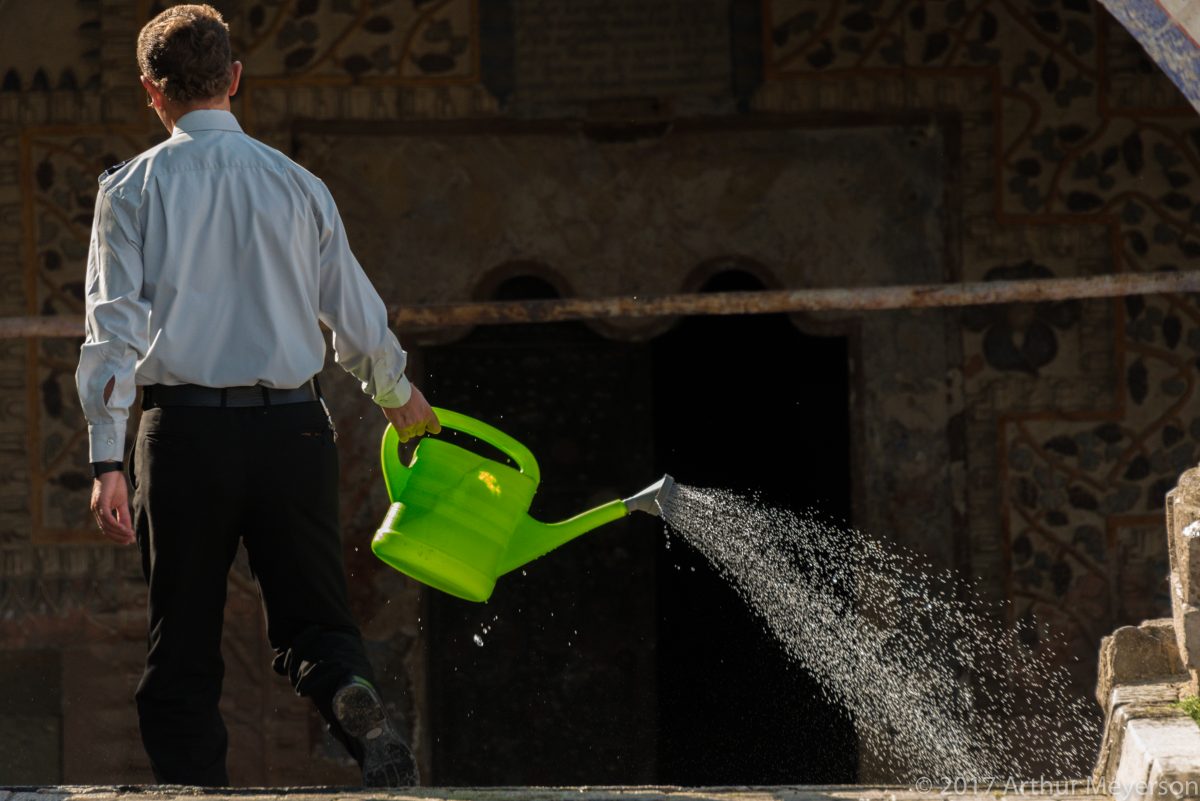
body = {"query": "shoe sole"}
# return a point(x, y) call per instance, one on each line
point(387, 760)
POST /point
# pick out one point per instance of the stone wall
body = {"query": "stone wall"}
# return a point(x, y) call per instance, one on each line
point(1151, 744)
point(1028, 446)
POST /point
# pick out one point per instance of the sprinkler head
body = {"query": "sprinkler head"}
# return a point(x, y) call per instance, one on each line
point(653, 498)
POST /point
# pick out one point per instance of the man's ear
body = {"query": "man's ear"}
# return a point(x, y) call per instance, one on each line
point(155, 94)
point(236, 69)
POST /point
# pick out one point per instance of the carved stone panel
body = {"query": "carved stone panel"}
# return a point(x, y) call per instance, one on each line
point(591, 49)
point(59, 172)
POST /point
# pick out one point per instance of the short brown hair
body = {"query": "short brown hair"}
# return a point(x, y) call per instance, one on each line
point(185, 51)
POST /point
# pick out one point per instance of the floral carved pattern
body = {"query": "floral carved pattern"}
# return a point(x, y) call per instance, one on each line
point(416, 42)
point(1085, 131)
point(60, 173)
point(1021, 336)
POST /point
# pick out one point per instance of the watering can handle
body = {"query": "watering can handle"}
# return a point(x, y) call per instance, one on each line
point(467, 425)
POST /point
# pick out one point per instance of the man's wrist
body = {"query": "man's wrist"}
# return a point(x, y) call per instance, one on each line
point(107, 466)
point(398, 396)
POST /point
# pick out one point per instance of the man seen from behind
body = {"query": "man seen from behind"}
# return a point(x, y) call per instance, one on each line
point(213, 261)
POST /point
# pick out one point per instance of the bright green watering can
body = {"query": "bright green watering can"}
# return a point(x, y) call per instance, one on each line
point(459, 521)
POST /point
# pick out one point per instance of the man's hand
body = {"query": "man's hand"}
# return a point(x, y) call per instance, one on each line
point(413, 418)
point(110, 506)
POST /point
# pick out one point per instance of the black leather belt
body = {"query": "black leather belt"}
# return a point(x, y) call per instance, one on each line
point(159, 395)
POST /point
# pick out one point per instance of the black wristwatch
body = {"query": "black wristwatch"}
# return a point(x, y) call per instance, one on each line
point(100, 468)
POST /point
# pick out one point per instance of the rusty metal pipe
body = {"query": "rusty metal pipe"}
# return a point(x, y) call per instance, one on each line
point(796, 300)
point(923, 296)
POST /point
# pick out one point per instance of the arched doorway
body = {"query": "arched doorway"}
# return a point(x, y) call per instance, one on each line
point(746, 403)
point(561, 691)
point(617, 660)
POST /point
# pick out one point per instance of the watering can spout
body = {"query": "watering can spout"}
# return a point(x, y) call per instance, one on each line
point(534, 538)
point(654, 498)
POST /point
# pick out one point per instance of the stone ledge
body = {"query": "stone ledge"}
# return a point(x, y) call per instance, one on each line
point(1160, 757)
point(1073, 790)
point(1151, 749)
point(1127, 705)
point(1134, 655)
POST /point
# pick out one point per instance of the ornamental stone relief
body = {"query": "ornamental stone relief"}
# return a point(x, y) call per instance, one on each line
point(1083, 160)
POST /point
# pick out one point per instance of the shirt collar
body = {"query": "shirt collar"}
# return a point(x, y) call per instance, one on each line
point(206, 119)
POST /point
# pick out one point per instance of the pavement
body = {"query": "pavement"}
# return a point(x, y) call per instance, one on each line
point(1043, 791)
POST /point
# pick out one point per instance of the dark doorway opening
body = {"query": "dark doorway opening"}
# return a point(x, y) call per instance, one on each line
point(559, 687)
point(747, 403)
point(615, 659)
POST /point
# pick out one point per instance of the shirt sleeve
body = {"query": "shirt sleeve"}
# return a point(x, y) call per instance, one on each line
point(363, 344)
point(116, 324)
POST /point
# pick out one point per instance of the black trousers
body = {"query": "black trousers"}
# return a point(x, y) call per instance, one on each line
point(204, 480)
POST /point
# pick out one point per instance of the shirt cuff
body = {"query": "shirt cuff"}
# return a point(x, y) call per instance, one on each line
point(106, 441)
point(397, 395)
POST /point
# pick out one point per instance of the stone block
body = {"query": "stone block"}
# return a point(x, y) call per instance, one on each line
point(1145, 695)
point(1187, 552)
point(1157, 754)
point(1183, 539)
point(1183, 510)
point(1130, 702)
point(1186, 622)
point(1139, 654)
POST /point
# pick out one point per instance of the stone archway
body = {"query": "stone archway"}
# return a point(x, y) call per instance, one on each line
point(727, 415)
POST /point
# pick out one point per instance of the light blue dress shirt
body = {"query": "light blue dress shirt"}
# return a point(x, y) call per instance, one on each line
point(212, 259)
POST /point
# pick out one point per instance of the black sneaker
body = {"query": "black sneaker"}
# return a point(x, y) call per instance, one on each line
point(387, 760)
